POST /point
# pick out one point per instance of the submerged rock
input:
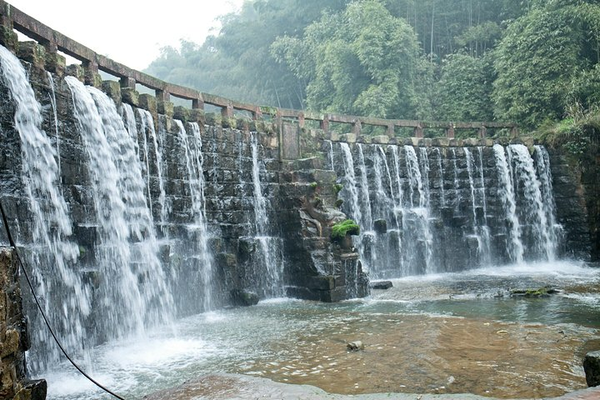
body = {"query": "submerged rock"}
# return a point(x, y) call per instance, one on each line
point(355, 346)
point(381, 285)
point(541, 292)
point(244, 298)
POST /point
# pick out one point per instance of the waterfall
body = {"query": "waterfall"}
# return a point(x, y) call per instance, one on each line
point(65, 298)
point(269, 278)
point(534, 215)
point(133, 292)
point(147, 127)
point(435, 226)
point(199, 276)
point(480, 229)
point(507, 195)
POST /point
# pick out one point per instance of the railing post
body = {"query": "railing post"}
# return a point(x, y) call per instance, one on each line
point(483, 132)
point(8, 38)
point(325, 124)
point(163, 100)
point(91, 76)
point(256, 114)
point(301, 120)
point(390, 131)
point(357, 127)
point(227, 111)
point(418, 132)
point(450, 132)
point(198, 104)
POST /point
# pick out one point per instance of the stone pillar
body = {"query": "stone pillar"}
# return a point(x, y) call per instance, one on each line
point(257, 114)
point(357, 127)
point(8, 38)
point(198, 104)
point(483, 132)
point(301, 120)
point(450, 132)
point(419, 132)
point(325, 124)
point(163, 102)
point(54, 62)
point(390, 131)
point(91, 75)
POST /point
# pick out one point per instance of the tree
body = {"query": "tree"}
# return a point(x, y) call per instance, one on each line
point(465, 88)
point(360, 61)
point(541, 56)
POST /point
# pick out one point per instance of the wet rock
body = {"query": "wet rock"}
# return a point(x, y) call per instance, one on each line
point(591, 365)
point(381, 285)
point(540, 292)
point(355, 346)
point(244, 298)
point(380, 226)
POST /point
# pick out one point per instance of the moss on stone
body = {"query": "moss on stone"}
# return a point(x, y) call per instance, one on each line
point(341, 229)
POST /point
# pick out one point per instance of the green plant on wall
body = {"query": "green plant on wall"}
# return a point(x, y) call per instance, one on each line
point(341, 229)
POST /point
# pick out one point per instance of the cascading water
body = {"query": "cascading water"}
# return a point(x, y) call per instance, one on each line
point(65, 298)
point(133, 294)
point(268, 278)
point(533, 213)
point(437, 211)
point(147, 128)
point(507, 195)
point(200, 274)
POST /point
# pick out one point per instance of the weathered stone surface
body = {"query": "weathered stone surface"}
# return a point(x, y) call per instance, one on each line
point(244, 298)
point(591, 365)
point(381, 285)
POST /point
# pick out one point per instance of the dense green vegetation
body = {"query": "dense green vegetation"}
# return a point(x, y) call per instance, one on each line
point(530, 61)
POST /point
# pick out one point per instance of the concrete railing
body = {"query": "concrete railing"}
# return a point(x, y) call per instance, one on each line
point(52, 42)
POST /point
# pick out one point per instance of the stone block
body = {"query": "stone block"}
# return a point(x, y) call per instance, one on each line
point(75, 71)
point(591, 366)
point(33, 53)
point(55, 63)
point(165, 108)
point(112, 90)
point(440, 142)
point(380, 139)
point(321, 283)
point(130, 96)
point(181, 113)
point(348, 138)
point(8, 38)
point(148, 103)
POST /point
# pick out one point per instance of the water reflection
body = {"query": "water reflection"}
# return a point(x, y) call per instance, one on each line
point(451, 333)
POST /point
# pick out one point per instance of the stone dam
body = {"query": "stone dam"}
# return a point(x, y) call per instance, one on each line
point(131, 212)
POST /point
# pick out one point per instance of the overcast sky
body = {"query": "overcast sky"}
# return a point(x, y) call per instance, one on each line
point(130, 31)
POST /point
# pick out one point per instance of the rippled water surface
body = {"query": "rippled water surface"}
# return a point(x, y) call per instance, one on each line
point(451, 333)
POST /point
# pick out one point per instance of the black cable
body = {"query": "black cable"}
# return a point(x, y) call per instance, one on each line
point(14, 246)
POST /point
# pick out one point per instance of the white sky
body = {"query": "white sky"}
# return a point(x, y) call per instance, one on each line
point(130, 31)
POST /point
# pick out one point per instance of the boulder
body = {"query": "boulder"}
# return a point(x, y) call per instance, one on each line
point(591, 365)
point(381, 285)
point(355, 346)
point(243, 298)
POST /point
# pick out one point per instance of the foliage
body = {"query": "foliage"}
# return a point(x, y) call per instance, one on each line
point(532, 62)
point(360, 61)
point(542, 59)
point(465, 88)
point(341, 229)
